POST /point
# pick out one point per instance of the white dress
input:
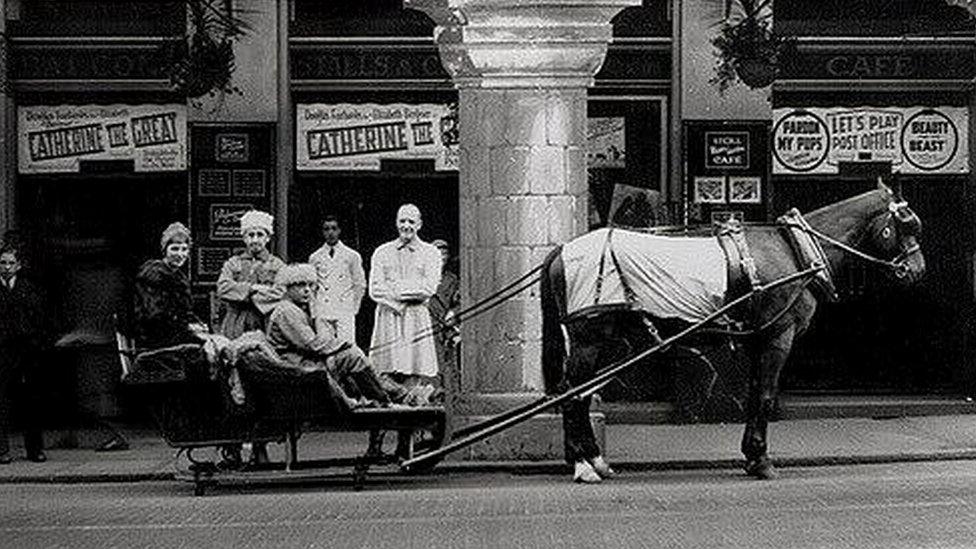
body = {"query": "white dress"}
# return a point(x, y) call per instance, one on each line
point(402, 336)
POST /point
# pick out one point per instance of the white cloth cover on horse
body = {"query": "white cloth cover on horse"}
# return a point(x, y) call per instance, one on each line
point(672, 277)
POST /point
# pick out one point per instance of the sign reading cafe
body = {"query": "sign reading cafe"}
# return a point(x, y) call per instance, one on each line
point(56, 138)
point(358, 136)
point(914, 140)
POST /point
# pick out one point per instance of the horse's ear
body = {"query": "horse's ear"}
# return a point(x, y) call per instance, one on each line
point(882, 186)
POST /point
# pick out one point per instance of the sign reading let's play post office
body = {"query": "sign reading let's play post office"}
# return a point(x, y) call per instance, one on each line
point(54, 139)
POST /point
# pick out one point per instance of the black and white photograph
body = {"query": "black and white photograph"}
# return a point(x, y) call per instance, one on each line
point(486, 274)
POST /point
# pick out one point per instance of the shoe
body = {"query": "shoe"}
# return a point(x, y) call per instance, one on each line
point(5, 459)
point(602, 468)
point(38, 457)
point(113, 445)
point(585, 474)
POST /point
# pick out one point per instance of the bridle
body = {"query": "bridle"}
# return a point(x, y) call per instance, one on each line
point(897, 210)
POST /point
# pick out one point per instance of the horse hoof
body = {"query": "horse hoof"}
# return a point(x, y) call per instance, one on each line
point(602, 468)
point(585, 474)
point(761, 469)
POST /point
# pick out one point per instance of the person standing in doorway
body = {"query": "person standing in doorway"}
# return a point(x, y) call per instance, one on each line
point(24, 337)
point(246, 283)
point(444, 305)
point(341, 283)
point(404, 274)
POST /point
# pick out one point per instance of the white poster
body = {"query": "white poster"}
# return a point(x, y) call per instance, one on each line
point(606, 142)
point(358, 136)
point(54, 139)
point(914, 140)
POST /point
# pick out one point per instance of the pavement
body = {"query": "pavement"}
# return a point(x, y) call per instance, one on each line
point(799, 442)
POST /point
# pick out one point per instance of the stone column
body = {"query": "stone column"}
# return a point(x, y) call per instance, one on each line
point(522, 69)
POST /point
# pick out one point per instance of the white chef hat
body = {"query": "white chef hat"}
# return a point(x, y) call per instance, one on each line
point(257, 219)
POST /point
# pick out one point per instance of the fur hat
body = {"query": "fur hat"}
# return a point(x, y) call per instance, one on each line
point(257, 219)
point(295, 273)
point(171, 233)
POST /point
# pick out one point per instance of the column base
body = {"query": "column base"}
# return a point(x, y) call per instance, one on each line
point(539, 438)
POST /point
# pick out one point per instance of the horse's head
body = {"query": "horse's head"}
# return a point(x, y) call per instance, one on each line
point(893, 235)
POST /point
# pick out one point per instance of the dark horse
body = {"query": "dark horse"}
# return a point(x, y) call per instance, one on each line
point(877, 226)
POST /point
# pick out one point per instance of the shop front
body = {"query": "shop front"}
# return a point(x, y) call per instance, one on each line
point(850, 112)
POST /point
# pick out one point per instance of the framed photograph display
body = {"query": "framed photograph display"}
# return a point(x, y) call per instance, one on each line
point(745, 189)
point(710, 189)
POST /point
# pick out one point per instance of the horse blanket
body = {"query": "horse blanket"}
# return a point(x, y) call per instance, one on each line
point(668, 277)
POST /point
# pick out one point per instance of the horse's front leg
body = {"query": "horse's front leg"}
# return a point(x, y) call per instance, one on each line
point(767, 356)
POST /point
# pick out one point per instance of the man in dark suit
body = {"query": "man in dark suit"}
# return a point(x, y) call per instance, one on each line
point(24, 335)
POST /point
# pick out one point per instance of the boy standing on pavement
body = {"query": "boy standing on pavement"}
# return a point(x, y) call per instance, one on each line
point(24, 333)
point(341, 283)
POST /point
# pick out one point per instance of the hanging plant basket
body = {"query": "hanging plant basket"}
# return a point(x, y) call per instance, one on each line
point(747, 49)
point(756, 73)
point(204, 64)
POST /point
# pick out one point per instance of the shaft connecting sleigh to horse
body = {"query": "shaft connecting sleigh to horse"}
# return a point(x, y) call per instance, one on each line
point(614, 284)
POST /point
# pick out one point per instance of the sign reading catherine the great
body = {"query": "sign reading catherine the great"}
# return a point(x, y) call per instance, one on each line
point(914, 140)
point(357, 137)
point(56, 138)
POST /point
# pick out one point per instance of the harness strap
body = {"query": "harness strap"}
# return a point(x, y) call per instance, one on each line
point(600, 273)
point(808, 251)
point(629, 295)
point(732, 239)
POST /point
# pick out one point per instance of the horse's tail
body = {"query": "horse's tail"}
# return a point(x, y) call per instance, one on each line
point(553, 344)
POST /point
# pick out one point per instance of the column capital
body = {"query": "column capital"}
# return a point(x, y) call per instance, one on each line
point(522, 43)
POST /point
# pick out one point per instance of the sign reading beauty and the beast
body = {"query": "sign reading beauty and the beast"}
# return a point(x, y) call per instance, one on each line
point(56, 138)
point(914, 140)
point(358, 136)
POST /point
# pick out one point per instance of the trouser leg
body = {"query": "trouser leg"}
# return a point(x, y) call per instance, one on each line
point(6, 379)
point(351, 366)
point(30, 419)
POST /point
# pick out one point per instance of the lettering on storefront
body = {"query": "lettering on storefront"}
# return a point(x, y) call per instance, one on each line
point(871, 66)
point(44, 62)
point(913, 140)
point(329, 63)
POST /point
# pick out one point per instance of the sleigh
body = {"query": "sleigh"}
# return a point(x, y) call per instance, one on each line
point(195, 408)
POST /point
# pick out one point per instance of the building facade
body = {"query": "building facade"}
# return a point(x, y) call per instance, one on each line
point(514, 128)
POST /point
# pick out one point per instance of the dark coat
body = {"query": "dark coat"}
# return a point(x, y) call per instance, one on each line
point(24, 315)
point(163, 306)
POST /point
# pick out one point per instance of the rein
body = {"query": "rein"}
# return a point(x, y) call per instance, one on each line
point(897, 264)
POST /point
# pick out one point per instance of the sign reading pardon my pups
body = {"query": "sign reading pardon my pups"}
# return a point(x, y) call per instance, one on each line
point(54, 139)
point(359, 136)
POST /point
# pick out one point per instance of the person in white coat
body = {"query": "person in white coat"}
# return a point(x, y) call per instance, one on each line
point(341, 283)
point(404, 274)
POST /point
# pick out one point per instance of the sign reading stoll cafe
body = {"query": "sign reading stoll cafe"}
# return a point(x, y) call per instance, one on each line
point(55, 139)
point(914, 140)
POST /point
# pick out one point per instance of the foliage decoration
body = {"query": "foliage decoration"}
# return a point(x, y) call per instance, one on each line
point(203, 64)
point(747, 48)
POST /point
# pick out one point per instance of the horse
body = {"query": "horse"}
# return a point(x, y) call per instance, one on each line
point(877, 226)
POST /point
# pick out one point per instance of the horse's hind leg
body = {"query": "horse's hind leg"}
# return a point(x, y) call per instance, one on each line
point(767, 358)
